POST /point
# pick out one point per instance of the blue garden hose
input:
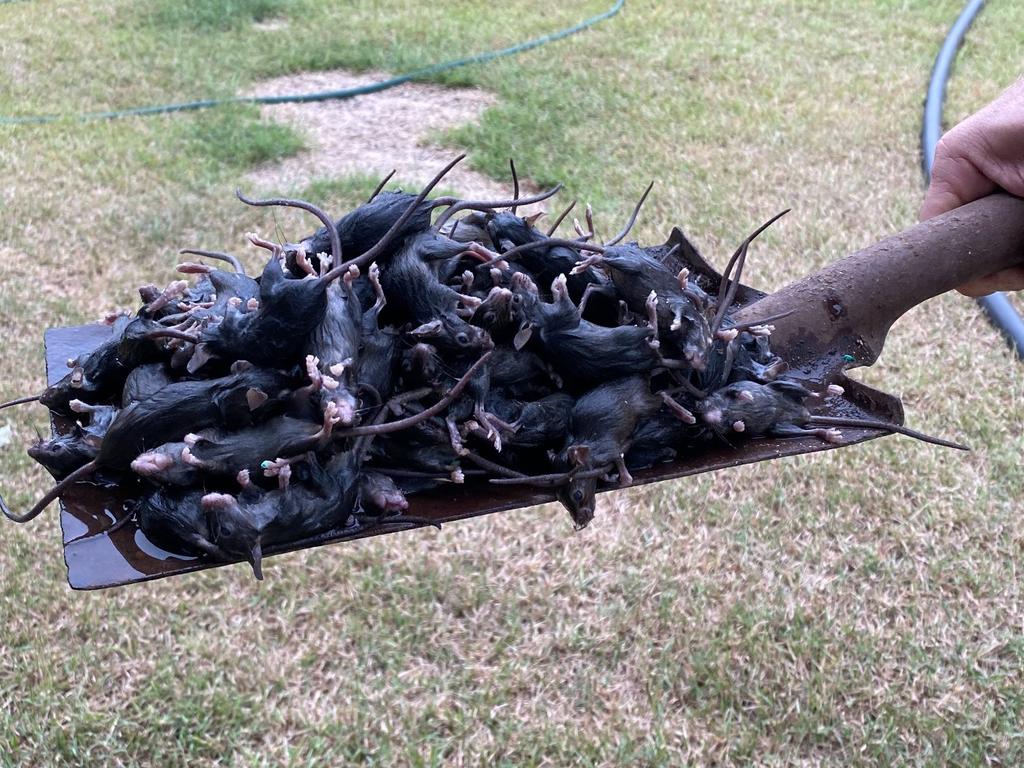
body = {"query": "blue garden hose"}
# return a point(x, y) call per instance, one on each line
point(344, 93)
point(997, 307)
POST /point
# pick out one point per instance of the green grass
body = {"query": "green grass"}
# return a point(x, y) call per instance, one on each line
point(213, 15)
point(861, 607)
point(236, 138)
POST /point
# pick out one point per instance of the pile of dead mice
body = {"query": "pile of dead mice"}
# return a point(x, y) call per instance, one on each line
point(387, 353)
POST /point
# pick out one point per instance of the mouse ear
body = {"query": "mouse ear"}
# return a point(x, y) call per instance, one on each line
point(433, 328)
point(254, 398)
point(789, 389)
point(532, 218)
point(256, 560)
point(209, 548)
point(523, 336)
point(579, 455)
point(200, 356)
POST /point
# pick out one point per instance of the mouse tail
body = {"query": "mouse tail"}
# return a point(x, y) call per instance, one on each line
point(553, 480)
point(490, 205)
point(389, 236)
point(79, 474)
point(19, 401)
point(731, 279)
point(632, 219)
point(837, 421)
point(328, 222)
point(219, 255)
point(380, 186)
point(492, 466)
point(170, 333)
point(561, 217)
point(515, 185)
point(426, 413)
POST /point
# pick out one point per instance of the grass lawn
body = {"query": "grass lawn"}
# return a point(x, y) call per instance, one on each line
point(857, 608)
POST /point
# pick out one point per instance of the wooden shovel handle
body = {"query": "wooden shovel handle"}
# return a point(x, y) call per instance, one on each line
point(842, 313)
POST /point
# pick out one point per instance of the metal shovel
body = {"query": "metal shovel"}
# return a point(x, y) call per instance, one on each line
point(839, 318)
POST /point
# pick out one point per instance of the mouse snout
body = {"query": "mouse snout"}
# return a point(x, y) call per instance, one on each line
point(40, 449)
point(713, 416)
point(582, 517)
point(389, 501)
point(696, 356)
point(345, 405)
point(346, 413)
point(215, 502)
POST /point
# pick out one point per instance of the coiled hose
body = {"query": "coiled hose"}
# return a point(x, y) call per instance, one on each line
point(344, 93)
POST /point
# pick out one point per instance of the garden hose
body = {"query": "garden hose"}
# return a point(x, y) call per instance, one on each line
point(344, 93)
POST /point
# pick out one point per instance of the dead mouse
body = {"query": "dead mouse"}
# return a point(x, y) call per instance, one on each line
point(601, 430)
point(220, 453)
point(242, 526)
point(434, 308)
point(635, 275)
point(335, 345)
point(584, 352)
point(175, 520)
point(95, 376)
point(63, 454)
point(777, 409)
point(168, 415)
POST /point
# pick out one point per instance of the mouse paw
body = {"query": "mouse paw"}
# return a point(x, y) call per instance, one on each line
point(279, 468)
point(332, 415)
point(316, 379)
point(833, 436)
point(625, 478)
point(149, 464)
point(470, 302)
point(682, 277)
point(681, 412)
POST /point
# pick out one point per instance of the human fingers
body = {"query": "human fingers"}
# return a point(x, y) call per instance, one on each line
point(1009, 279)
point(956, 179)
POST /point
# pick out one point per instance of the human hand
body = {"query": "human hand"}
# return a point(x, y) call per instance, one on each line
point(975, 158)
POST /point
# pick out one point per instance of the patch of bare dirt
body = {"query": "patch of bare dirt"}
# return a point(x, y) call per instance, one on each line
point(375, 133)
point(271, 25)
